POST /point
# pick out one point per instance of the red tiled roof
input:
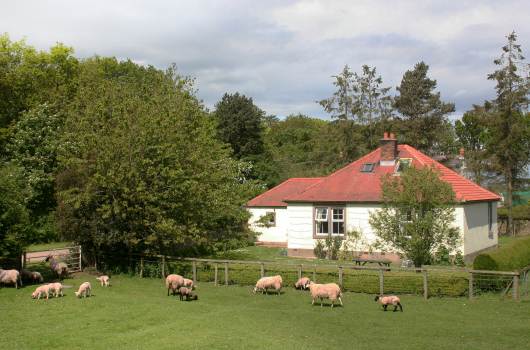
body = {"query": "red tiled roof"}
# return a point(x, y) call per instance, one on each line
point(351, 185)
point(275, 196)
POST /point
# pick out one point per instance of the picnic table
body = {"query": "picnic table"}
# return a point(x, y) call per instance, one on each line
point(374, 261)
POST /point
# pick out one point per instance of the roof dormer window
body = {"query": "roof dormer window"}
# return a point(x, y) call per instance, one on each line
point(368, 167)
point(402, 165)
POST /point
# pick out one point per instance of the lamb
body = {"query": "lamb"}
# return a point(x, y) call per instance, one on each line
point(104, 280)
point(36, 277)
point(189, 284)
point(174, 282)
point(25, 275)
point(83, 289)
point(330, 290)
point(183, 291)
point(269, 282)
point(58, 268)
point(389, 300)
point(10, 277)
point(302, 283)
point(56, 288)
point(40, 290)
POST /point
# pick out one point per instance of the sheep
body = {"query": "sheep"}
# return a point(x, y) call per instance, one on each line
point(58, 268)
point(10, 277)
point(183, 291)
point(56, 288)
point(174, 282)
point(269, 282)
point(189, 284)
point(40, 290)
point(36, 277)
point(25, 275)
point(302, 283)
point(83, 289)
point(330, 290)
point(390, 300)
point(104, 280)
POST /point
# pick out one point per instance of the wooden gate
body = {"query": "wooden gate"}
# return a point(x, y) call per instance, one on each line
point(35, 261)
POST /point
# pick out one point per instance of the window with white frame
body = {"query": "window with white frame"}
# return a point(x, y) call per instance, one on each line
point(329, 220)
point(271, 218)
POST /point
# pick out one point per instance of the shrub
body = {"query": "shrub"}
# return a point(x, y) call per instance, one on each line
point(512, 256)
point(319, 251)
point(442, 257)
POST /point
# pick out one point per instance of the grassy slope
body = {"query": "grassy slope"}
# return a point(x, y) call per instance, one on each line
point(137, 313)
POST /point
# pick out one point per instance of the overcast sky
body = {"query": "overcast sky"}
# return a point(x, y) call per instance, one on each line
point(283, 53)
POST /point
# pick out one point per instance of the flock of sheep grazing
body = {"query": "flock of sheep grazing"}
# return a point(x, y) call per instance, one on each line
point(178, 284)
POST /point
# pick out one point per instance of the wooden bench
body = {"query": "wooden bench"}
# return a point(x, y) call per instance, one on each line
point(373, 261)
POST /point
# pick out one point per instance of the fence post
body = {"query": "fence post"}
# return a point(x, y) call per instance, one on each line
point(300, 271)
point(471, 286)
point(163, 267)
point(381, 284)
point(425, 286)
point(226, 274)
point(314, 275)
point(194, 272)
point(262, 270)
point(216, 269)
point(516, 286)
point(141, 267)
point(340, 276)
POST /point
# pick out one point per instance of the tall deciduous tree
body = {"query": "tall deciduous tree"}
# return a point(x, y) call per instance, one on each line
point(422, 111)
point(417, 214)
point(143, 171)
point(508, 127)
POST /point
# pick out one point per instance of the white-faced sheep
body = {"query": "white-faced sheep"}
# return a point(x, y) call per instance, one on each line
point(174, 282)
point(183, 291)
point(302, 283)
point(269, 282)
point(56, 288)
point(10, 277)
point(25, 276)
point(189, 284)
point(393, 300)
point(330, 290)
point(104, 280)
point(83, 290)
point(36, 277)
point(58, 268)
point(41, 290)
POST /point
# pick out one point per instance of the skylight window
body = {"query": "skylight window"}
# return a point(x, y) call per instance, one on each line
point(368, 167)
point(403, 165)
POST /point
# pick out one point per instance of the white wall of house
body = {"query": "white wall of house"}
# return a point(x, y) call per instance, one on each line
point(473, 218)
point(300, 231)
point(277, 233)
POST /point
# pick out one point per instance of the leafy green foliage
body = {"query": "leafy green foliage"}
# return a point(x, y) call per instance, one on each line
point(143, 171)
point(511, 256)
point(417, 214)
point(15, 228)
point(423, 114)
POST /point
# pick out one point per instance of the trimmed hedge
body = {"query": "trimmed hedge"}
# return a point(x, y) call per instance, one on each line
point(512, 256)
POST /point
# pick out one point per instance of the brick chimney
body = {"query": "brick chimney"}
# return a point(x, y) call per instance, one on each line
point(388, 149)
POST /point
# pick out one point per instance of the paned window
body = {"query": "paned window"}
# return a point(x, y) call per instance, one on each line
point(327, 219)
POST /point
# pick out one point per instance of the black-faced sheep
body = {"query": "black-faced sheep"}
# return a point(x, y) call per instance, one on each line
point(302, 283)
point(330, 290)
point(10, 277)
point(174, 282)
point(58, 268)
point(25, 275)
point(41, 290)
point(183, 291)
point(189, 284)
point(104, 280)
point(269, 282)
point(390, 300)
point(56, 288)
point(83, 290)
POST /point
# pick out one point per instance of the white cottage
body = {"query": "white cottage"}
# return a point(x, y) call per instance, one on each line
point(308, 209)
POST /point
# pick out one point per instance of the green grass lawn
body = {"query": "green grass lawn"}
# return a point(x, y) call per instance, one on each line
point(48, 246)
point(136, 313)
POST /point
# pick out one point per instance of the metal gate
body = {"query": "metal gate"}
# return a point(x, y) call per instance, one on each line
point(35, 261)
